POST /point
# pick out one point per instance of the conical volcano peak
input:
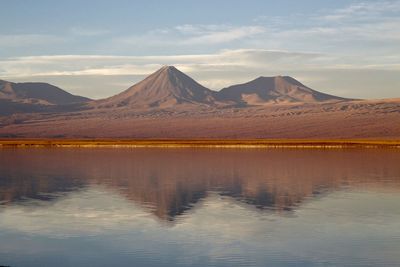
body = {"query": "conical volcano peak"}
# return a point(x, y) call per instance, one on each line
point(168, 87)
point(168, 74)
point(168, 68)
point(164, 88)
point(170, 71)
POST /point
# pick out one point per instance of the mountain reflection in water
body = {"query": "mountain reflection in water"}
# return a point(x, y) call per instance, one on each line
point(169, 182)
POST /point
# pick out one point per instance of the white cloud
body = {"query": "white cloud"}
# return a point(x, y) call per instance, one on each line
point(81, 31)
point(364, 10)
point(216, 34)
point(141, 65)
point(18, 40)
point(247, 59)
point(189, 35)
point(225, 36)
point(370, 21)
point(84, 74)
point(362, 29)
point(361, 37)
point(202, 28)
point(358, 28)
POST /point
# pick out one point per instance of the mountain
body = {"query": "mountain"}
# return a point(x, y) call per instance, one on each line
point(164, 88)
point(279, 89)
point(37, 93)
point(170, 104)
point(169, 87)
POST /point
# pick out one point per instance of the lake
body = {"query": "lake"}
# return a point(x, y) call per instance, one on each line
point(199, 207)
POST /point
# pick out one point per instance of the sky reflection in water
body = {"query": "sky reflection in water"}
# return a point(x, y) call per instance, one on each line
point(197, 207)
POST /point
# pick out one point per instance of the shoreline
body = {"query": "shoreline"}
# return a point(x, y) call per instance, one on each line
point(213, 143)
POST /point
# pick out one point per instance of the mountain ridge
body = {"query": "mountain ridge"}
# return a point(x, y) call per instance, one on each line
point(38, 93)
point(275, 90)
point(168, 104)
point(168, 87)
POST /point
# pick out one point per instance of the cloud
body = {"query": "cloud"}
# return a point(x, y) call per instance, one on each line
point(73, 65)
point(216, 34)
point(100, 76)
point(360, 38)
point(364, 10)
point(360, 28)
point(247, 59)
point(363, 29)
point(371, 21)
point(23, 40)
point(81, 31)
point(189, 35)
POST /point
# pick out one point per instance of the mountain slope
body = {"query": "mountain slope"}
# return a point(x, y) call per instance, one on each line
point(164, 88)
point(169, 104)
point(37, 93)
point(375, 119)
point(268, 90)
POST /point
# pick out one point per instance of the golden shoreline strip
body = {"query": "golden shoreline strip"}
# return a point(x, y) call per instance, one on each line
point(257, 143)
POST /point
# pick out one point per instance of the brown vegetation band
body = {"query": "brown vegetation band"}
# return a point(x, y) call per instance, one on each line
point(201, 143)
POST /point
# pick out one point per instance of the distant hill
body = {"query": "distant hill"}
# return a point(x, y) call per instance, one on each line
point(32, 97)
point(170, 104)
point(37, 93)
point(166, 88)
point(169, 87)
point(274, 90)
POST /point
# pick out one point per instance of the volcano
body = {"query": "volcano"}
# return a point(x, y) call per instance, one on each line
point(169, 87)
point(274, 90)
point(168, 104)
point(164, 88)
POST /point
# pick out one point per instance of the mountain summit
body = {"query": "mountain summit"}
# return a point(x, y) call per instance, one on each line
point(37, 93)
point(168, 104)
point(274, 90)
point(168, 87)
point(164, 88)
point(31, 97)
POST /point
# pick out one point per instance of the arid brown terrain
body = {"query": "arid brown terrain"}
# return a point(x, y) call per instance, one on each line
point(170, 105)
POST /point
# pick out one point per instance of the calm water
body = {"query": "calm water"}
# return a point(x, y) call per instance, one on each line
point(199, 207)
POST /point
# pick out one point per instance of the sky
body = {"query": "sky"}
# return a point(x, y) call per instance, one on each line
point(100, 48)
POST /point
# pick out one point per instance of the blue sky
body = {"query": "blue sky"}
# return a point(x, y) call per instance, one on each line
point(99, 48)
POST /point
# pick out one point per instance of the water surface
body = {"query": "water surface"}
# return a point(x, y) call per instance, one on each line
point(199, 207)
